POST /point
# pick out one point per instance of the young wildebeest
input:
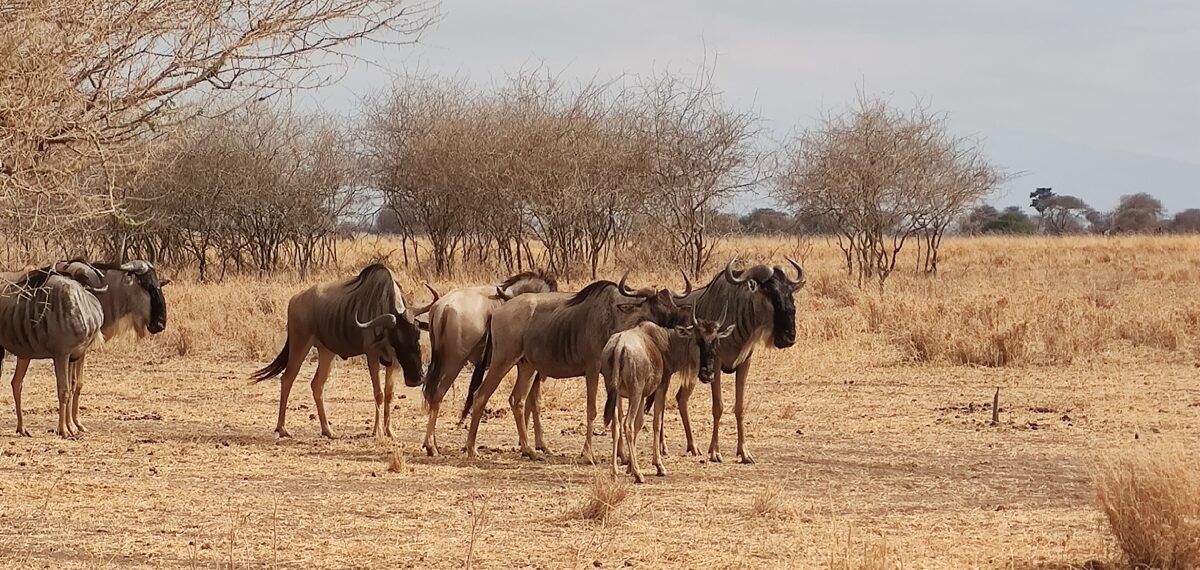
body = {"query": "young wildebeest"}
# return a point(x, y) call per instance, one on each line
point(639, 362)
point(761, 304)
point(457, 325)
point(51, 313)
point(330, 317)
point(559, 335)
point(132, 299)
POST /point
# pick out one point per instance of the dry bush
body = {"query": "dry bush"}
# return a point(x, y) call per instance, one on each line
point(604, 496)
point(1151, 498)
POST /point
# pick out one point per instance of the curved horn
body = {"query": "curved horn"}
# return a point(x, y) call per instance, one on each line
point(97, 289)
point(624, 289)
point(799, 274)
point(729, 273)
point(686, 283)
point(500, 293)
point(422, 309)
point(137, 267)
point(387, 319)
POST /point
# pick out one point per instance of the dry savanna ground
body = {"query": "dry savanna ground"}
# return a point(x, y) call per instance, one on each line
point(872, 434)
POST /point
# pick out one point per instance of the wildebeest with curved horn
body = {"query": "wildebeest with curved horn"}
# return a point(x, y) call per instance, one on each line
point(51, 313)
point(761, 305)
point(132, 299)
point(560, 335)
point(361, 315)
point(457, 324)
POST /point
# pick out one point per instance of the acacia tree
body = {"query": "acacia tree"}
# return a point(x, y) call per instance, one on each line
point(882, 176)
point(1137, 213)
point(86, 84)
point(701, 154)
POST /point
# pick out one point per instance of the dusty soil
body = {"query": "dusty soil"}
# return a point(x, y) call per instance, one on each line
point(181, 469)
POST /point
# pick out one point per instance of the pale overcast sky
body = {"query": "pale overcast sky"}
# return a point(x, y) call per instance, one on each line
point(1095, 98)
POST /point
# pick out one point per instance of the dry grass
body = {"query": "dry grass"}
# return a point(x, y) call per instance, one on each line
point(1151, 497)
point(876, 420)
point(396, 462)
point(605, 494)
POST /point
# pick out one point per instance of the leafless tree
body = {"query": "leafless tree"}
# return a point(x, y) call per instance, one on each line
point(86, 84)
point(882, 177)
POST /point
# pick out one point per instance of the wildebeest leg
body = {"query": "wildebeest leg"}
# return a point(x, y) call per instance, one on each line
point(490, 382)
point(324, 361)
point(373, 369)
point(18, 382)
point(389, 385)
point(62, 377)
point(535, 412)
point(296, 358)
point(448, 374)
point(681, 398)
point(616, 435)
point(517, 400)
point(660, 398)
point(593, 384)
point(77, 383)
point(637, 417)
point(714, 447)
point(739, 406)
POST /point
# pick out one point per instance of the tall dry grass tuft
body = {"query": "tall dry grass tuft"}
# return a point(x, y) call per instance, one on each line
point(396, 462)
point(605, 495)
point(1151, 498)
point(850, 553)
point(770, 502)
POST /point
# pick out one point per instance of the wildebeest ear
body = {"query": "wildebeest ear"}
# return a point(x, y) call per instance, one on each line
point(752, 285)
point(726, 331)
point(164, 282)
point(628, 307)
point(684, 331)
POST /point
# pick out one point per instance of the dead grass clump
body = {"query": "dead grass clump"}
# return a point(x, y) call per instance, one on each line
point(849, 553)
point(1152, 500)
point(770, 502)
point(396, 462)
point(606, 494)
point(835, 287)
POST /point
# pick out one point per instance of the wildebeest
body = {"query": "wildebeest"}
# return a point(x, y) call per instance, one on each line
point(559, 335)
point(457, 325)
point(330, 316)
point(132, 299)
point(640, 361)
point(761, 304)
point(51, 313)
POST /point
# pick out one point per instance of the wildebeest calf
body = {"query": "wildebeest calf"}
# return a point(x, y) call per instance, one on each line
point(639, 362)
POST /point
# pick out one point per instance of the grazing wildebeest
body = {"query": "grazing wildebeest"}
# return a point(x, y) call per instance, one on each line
point(330, 317)
point(559, 335)
point(51, 313)
point(457, 324)
point(132, 299)
point(640, 361)
point(761, 305)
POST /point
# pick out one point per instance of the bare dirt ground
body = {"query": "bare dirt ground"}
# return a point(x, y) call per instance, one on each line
point(865, 459)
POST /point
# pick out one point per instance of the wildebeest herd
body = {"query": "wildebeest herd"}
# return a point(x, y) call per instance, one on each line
point(636, 339)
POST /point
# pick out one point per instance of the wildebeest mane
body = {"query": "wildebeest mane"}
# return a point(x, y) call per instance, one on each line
point(590, 291)
point(538, 274)
point(377, 280)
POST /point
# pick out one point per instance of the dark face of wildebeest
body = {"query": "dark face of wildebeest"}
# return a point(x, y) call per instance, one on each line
point(396, 339)
point(138, 294)
point(657, 306)
point(779, 289)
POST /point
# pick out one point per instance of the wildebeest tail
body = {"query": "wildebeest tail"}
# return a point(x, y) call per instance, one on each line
point(612, 397)
point(276, 367)
point(477, 375)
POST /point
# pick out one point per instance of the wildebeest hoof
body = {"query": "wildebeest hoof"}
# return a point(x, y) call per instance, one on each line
point(328, 434)
point(431, 451)
point(587, 456)
point(714, 456)
point(661, 472)
point(79, 428)
point(693, 451)
point(531, 454)
point(21, 431)
point(747, 459)
point(638, 478)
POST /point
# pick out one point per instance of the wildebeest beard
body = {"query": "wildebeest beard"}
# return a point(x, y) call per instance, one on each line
point(404, 339)
point(784, 308)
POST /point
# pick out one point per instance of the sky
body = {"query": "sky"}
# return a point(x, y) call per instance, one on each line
point(1096, 98)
